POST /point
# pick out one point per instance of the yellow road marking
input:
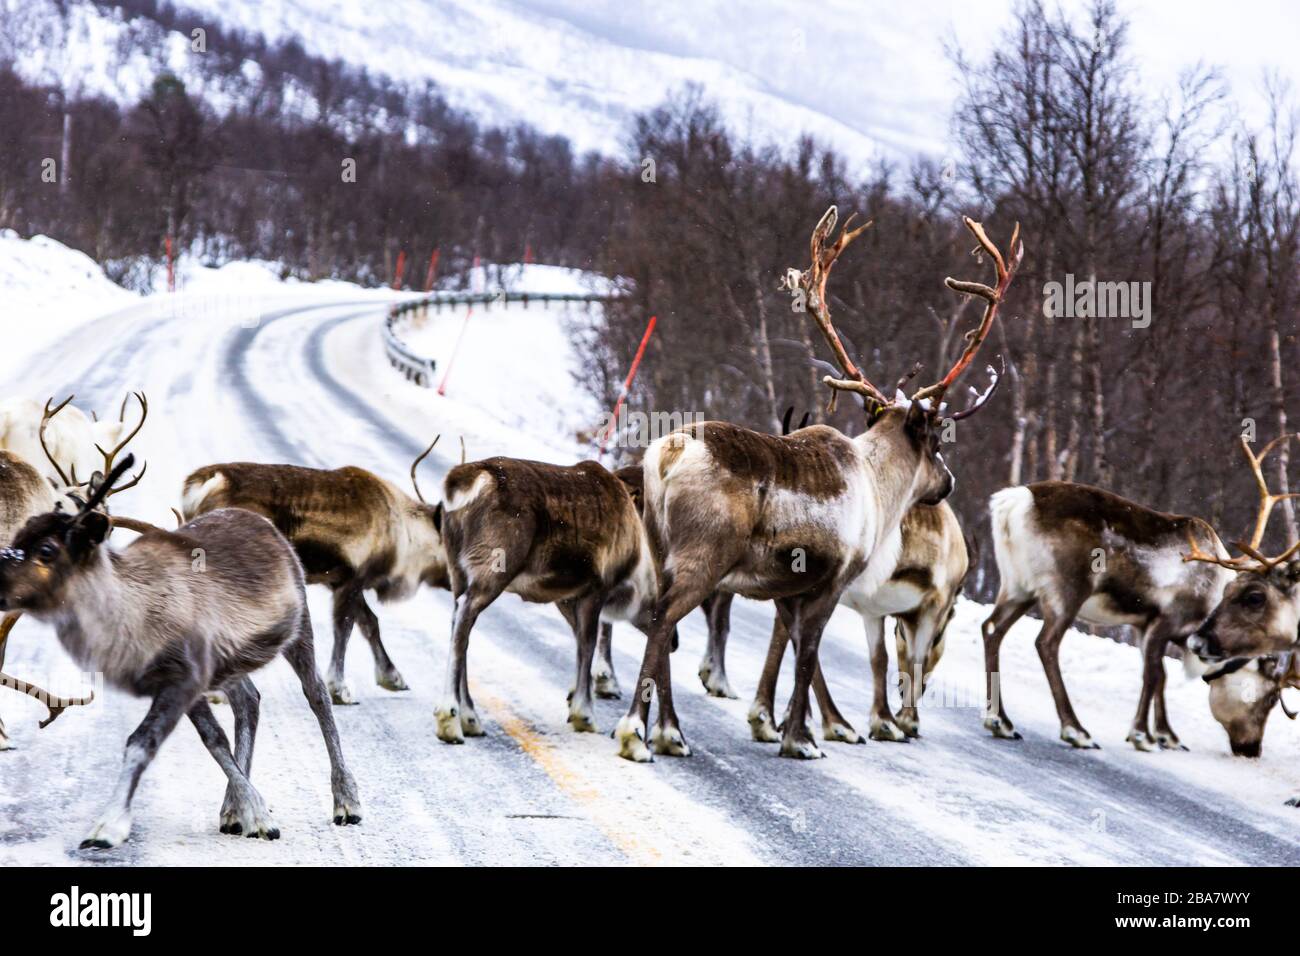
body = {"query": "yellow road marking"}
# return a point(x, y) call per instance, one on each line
point(607, 818)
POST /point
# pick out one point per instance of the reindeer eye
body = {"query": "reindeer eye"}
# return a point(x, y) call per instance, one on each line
point(47, 551)
point(1253, 600)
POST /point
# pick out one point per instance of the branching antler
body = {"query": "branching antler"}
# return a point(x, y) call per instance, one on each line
point(1006, 270)
point(416, 464)
point(56, 705)
point(110, 457)
point(1253, 559)
point(812, 283)
point(45, 421)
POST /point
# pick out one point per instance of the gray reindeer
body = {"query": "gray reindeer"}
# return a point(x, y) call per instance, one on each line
point(170, 617)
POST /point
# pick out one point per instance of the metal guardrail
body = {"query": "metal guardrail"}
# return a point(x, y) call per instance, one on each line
point(418, 368)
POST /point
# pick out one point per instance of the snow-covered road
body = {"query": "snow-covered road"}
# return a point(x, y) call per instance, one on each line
point(307, 384)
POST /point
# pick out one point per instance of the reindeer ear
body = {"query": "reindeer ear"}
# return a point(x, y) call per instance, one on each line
point(90, 530)
point(437, 517)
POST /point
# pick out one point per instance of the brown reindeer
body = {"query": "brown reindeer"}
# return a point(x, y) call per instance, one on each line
point(353, 532)
point(173, 615)
point(568, 535)
point(920, 595)
point(1074, 550)
point(792, 519)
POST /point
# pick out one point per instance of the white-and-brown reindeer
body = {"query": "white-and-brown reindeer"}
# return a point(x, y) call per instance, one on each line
point(353, 532)
point(158, 626)
point(63, 442)
point(792, 519)
point(1078, 551)
point(568, 535)
point(920, 596)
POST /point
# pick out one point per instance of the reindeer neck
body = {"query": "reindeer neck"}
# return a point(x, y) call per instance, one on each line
point(100, 613)
point(891, 459)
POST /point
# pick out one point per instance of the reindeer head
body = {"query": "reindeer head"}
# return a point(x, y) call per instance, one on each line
point(73, 491)
point(1243, 699)
point(913, 419)
point(1259, 612)
point(52, 549)
point(435, 571)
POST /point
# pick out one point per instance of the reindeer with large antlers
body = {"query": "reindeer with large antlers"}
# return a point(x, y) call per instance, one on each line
point(792, 519)
point(1080, 552)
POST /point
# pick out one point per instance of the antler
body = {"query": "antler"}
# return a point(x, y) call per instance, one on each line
point(992, 297)
point(416, 464)
point(45, 420)
point(1253, 558)
point(813, 284)
point(110, 457)
point(56, 705)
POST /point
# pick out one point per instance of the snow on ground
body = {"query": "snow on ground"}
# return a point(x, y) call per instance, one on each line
point(509, 370)
point(47, 290)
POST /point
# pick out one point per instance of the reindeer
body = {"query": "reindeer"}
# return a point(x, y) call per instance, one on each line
point(65, 448)
point(568, 535)
point(353, 532)
point(24, 494)
point(792, 519)
point(175, 614)
point(1242, 698)
point(920, 595)
point(1078, 551)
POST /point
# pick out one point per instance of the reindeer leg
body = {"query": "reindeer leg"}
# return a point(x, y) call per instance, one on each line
point(690, 586)
point(587, 614)
point(344, 611)
point(1165, 735)
point(301, 656)
point(247, 812)
point(915, 634)
point(761, 723)
point(245, 703)
point(835, 726)
point(713, 668)
point(603, 670)
point(883, 724)
point(6, 625)
point(456, 705)
point(1154, 641)
point(169, 705)
point(807, 619)
point(387, 675)
point(1055, 623)
point(994, 629)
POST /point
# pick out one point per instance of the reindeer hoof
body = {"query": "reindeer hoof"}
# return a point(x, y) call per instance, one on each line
point(341, 694)
point(1001, 729)
point(761, 727)
point(715, 682)
point(1078, 738)
point(390, 681)
point(108, 833)
point(1294, 801)
point(886, 730)
point(909, 723)
point(449, 729)
point(800, 750)
point(1169, 741)
point(347, 814)
point(470, 725)
point(842, 733)
point(630, 734)
point(606, 686)
point(669, 742)
point(1140, 741)
point(582, 723)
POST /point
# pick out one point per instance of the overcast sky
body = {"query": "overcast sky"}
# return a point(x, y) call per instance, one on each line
point(821, 53)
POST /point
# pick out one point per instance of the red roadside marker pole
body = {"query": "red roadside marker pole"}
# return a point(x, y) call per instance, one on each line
point(401, 268)
point(627, 384)
point(442, 386)
point(432, 271)
point(171, 267)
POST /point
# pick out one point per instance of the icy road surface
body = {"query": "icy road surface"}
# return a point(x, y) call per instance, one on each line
point(305, 382)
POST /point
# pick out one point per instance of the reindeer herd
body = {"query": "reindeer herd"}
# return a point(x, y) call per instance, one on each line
point(809, 519)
